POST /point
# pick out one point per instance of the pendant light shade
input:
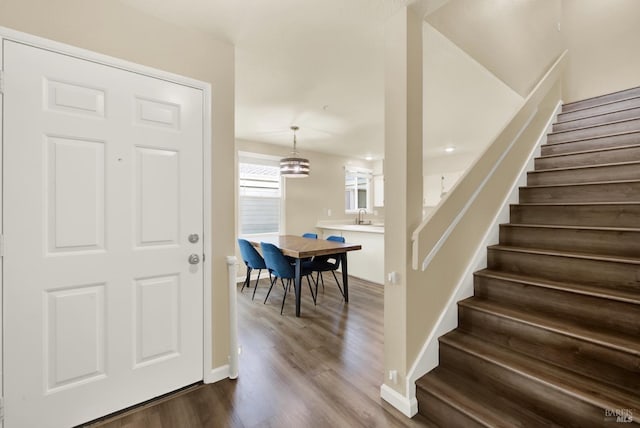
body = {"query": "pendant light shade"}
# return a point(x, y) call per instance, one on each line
point(294, 166)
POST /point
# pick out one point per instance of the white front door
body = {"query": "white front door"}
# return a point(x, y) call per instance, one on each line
point(102, 188)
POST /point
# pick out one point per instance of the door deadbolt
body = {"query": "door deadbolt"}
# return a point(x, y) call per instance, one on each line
point(193, 238)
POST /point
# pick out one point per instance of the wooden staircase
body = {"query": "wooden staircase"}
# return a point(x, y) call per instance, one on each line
point(551, 336)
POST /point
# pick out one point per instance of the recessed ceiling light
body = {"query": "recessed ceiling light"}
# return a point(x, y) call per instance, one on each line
point(449, 149)
point(368, 158)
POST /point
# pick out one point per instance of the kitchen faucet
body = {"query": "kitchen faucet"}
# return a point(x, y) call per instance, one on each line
point(360, 217)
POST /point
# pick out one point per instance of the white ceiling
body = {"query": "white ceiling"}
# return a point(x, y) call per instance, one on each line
point(317, 64)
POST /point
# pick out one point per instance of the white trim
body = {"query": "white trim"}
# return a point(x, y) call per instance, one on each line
point(233, 317)
point(408, 406)
point(83, 54)
point(254, 274)
point(207, 238)
point(428, 358)
point(217, 374)
point(2, 232)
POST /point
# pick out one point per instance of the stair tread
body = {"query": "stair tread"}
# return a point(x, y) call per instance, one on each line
point(576, 204)
point(610, 339)
point(578, 386)
point(582, 128)
point(575, 168)
point(613, 134)
point(590, 183)
point(572, 254)
point(471, 399)
point(572, 227)
point(620, 294)
point(601, 96)
point(592, 151)
point(559, 122)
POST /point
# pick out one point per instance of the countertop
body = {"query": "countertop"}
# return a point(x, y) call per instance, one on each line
point(369, 228)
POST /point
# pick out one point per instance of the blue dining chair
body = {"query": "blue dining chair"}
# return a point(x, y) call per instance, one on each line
point(253, 260)
point(327, 263)
point(310, 236)
point(280, 268)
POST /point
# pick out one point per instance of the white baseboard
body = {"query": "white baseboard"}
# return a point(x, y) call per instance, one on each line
point(408, 407)
point(217, 374)
point(254, 276)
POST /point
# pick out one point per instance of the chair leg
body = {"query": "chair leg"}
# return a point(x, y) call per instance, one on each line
point(338, 282)
point(246, 280)
point(286, 290)
point(313, 296)
point(256, 287)
point(275, 278)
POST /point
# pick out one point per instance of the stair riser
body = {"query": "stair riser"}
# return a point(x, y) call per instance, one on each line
point(441, 413)
point(605, 192)
point(613, 215)
point(604, 99)
point(588, 359)
point(604, 313)
point(585, 175)
point(619, 243)
point(553, 404)
point(598, 110)
point(567, 269)
point(591, 144)
point(627, 154)
point(601, 119)
point(596, 131)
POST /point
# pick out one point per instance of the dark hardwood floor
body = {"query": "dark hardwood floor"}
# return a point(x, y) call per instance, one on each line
point(323, 369)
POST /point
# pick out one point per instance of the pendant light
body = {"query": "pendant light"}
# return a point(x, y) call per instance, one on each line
point(294, 166)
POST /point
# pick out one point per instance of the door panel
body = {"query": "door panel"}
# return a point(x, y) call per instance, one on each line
point(75, 336)
point(75, 187)
point(102, 186)
point(157, 199)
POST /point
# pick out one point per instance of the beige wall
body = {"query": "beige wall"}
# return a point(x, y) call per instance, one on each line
point(515, 40)
point(602, 38)
point(403, 182)
point(456, 112)
point(110, 28)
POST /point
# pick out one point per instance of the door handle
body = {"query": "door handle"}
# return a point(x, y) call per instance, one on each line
point(194, 259)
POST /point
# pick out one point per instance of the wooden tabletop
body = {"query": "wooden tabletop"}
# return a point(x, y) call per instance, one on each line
point(299, 247)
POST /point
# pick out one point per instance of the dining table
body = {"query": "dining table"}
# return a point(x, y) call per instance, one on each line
point(300, 248)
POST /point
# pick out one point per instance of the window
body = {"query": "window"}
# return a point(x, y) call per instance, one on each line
point(259, 195)
point(357, 189)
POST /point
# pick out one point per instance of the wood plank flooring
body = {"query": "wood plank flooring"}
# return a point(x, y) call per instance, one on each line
point(323, 369)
